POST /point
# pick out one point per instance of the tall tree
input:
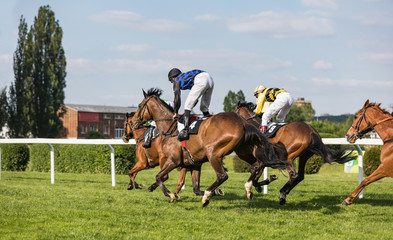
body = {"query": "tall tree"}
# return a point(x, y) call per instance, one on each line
point(231, 100)
point(17, 122)
point(300, 113)
point(40, 71)
point(3, 107)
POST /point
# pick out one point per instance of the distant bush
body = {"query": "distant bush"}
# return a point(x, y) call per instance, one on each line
point(371, 160)
point(95, 135)
point(313, 164)
point(72, 158)
point(240, 165)
point(14, 157)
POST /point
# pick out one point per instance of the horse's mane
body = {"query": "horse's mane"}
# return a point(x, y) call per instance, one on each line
point(373, 104)
point(157, 93)
point(249, 105)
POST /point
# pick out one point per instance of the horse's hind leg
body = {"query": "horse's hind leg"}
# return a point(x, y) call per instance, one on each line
point(258, 185)
point(155, 185)
point(376, 175)
point(255, 169)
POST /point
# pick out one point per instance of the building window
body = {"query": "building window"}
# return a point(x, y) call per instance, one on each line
point(107, 116)
point(106, 130)
point(119, 132)
point(119, 117)
point(93, 128)
point(83, 130)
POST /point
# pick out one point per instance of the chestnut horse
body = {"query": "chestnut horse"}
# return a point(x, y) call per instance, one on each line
point(149, 158)
point(218, 136)
point(301, 140)
point(370, 117)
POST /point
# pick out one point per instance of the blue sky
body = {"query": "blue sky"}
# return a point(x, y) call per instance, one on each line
point(335, 53)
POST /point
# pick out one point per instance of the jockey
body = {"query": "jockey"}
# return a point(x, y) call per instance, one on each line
point(282, 103)
point(200, 84)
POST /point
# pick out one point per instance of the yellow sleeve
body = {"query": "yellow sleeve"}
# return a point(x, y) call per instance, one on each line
point(260, 102)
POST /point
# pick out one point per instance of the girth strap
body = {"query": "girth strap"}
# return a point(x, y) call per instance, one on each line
point(150, 158)
point(188, 154)
point(388, 141)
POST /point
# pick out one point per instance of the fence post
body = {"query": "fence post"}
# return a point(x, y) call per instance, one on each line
point(52, 164)
point(265, 177)
point(113, 170)
point(360, 164)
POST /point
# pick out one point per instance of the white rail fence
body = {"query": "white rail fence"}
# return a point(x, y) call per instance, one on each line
point(109, 142)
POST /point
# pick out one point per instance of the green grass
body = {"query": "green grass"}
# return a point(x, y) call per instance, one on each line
point(86, 206)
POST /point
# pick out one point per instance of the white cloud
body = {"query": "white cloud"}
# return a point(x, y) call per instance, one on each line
point(382, 57)
point(208, 18)
point(282, 25)
point(380, 18)
point(134, 21)
point(331, 4)
point(322, 65)
point(351, 83)
point(132, 48)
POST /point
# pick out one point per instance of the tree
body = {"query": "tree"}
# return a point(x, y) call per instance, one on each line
point(37, 96)
point(300, 113)
point(3, 107)
point(231, 100)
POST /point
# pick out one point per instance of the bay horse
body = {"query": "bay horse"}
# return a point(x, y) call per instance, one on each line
point(301, 140)
point(218, 136)
point(370, 117)
point(154, 156)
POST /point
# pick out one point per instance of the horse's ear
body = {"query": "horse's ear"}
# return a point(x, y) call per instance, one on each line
point(144, 93)
point(238, 103)
point(126, 115)
point(366, 103)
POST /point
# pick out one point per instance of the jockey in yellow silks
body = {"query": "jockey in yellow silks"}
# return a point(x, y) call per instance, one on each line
point(282, 103)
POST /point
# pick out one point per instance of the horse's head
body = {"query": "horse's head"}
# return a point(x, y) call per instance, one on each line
point(364, 121)
point(128, 130)
point(151, 108)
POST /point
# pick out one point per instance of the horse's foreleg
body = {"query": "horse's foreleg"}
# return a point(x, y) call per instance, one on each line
point(155, 185)
point(162, 176)
point(255, 173)
point(180, 182)
point(221, 175)
point(376, 175)
point(140, 165)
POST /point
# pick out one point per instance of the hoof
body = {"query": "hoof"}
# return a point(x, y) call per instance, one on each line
point(177, 197)
point(282, 201)
point(205, 203)
point(140, 186)
point(150, 190)
point(171, 200)
point(219, 192)
point(130, 187)
point(259, 189)
point(273, 177)
point(250, 196)
point(345, 203)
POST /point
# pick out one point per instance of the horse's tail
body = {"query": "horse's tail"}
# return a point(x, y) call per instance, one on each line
point(272, 155)
point(328, 156)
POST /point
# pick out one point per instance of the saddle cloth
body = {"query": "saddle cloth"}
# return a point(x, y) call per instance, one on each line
point(195, 123)
point(273, 128)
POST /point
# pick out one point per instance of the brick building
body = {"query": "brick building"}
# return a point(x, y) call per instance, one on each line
point(80, 119)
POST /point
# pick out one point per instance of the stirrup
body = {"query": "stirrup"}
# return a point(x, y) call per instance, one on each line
point(183, 135)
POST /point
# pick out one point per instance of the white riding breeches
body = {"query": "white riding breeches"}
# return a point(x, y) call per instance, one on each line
point(281, 105)
point(203, 86)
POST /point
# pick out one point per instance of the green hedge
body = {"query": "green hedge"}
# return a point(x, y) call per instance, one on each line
point(70, 158)
point(313, 164)
point(240, 165)
point(14, 157)
point(371, 160)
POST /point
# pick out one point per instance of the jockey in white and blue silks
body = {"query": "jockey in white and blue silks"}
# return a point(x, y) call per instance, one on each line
point(200, 84)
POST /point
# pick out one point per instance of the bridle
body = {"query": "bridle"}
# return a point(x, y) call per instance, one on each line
point(359, 133)
point(140, 122)
point(237, 110)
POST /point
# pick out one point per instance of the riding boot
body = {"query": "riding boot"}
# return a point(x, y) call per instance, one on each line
point(147, 139)
point(183, 135)
point(206, 114)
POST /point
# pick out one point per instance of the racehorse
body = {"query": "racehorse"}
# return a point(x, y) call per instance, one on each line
point(153, 156)
point(218, 136)
point(301, 140)
point(370, 117)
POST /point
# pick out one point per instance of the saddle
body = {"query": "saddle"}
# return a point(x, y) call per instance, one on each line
point(195, 123)
point(273, 128)
point(152, 132)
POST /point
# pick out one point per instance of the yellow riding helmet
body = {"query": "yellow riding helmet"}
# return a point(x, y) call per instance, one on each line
point(258, 90)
